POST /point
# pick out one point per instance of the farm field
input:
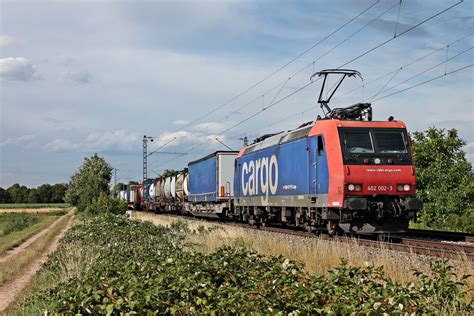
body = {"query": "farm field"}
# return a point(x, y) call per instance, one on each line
point(108, 264)
point(25, 241)
point(22, 206)
point(17, 227)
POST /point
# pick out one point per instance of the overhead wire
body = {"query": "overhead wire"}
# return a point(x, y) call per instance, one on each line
point(424, 82)
point(406, 65)
point(312, 63)
point(346, 63)
point(284, 82)
point(426, 70)
point(401, 34)
point(283, 66)
point(352, 60)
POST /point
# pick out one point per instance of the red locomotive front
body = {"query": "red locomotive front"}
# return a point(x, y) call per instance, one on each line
point(372, 175)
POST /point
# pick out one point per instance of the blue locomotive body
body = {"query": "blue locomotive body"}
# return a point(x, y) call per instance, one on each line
point(285, 167)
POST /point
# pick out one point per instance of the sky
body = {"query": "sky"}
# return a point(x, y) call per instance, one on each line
point(85, 77)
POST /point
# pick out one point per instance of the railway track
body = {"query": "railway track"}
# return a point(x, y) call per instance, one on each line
point(422, 242)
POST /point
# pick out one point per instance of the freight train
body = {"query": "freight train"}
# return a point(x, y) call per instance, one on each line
point(340, 173)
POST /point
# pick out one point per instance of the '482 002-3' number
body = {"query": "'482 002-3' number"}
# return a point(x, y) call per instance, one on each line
point(379, 188)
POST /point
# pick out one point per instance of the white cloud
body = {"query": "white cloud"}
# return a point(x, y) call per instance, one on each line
point(469, 149)
point(180, 122)
point(21, 140)
point(6, 40)
point(210, 127)
point(172, 138)
point(77, 76)
point(119, 140)
point(60, 144)
point(19, 68)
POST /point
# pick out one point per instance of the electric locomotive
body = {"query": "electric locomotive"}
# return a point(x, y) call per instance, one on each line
point(354, 176)
point(343, 172)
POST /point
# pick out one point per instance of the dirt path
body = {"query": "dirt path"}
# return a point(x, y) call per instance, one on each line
point(10, 253)
point(32, 210)
point(10, 290)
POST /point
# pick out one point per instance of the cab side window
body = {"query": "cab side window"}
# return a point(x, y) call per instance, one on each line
point(320, 145)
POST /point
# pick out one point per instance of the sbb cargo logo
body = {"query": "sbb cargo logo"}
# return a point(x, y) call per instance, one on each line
point(260, 176)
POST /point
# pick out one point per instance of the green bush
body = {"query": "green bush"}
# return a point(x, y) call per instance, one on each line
point(146, 269)
point(92, 178)
point(108, 204)
point(19, 222)
point(445, 181)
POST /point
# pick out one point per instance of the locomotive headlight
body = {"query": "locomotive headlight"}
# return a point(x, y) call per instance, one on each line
point(377, 161)
point(403, 187)
point(358, 187)
point(351, 187)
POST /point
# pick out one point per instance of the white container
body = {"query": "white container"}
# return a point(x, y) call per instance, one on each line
point(168, 187)
point(173, 187)
point(132, 196)
point(122, 195)
point(158, 188)
point(185, 185)
point(179, 186)
point(151, 191)
point(162, 187)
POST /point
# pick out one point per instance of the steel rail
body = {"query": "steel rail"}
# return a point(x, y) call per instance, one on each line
point(434, 246)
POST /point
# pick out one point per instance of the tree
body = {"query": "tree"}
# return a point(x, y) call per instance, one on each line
point(88, 182)
point(18, 194)
point(445, 181)
point(118, 187)
point(106, 203)
point(169, 173)
point(34, 196)
point(45, 193)
point(57, 193)
point(4, 196)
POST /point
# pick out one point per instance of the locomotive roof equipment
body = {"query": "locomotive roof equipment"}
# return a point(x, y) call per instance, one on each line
point(359, 111)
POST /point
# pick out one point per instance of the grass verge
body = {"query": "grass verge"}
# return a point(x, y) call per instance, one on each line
point(33, 205)
point(11, 267)
point(15, 238)
point(318, 256)
point(107, 264)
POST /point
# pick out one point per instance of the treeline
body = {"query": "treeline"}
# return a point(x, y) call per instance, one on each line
point(444, 180)
point(45, 193)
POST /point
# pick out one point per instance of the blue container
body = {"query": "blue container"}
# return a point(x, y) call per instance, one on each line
point(290, 168)
point(211, 177)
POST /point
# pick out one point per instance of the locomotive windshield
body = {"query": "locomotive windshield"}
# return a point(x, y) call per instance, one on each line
point(358, 141)
point(384, 143)
point(390, 141)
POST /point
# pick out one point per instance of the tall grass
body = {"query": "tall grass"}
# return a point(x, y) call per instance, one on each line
point(18, 222)
point(317, 255)
point(32, 205)
point(10, 233)
point(23, 259)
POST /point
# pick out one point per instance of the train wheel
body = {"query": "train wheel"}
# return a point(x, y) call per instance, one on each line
point(332, 228)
